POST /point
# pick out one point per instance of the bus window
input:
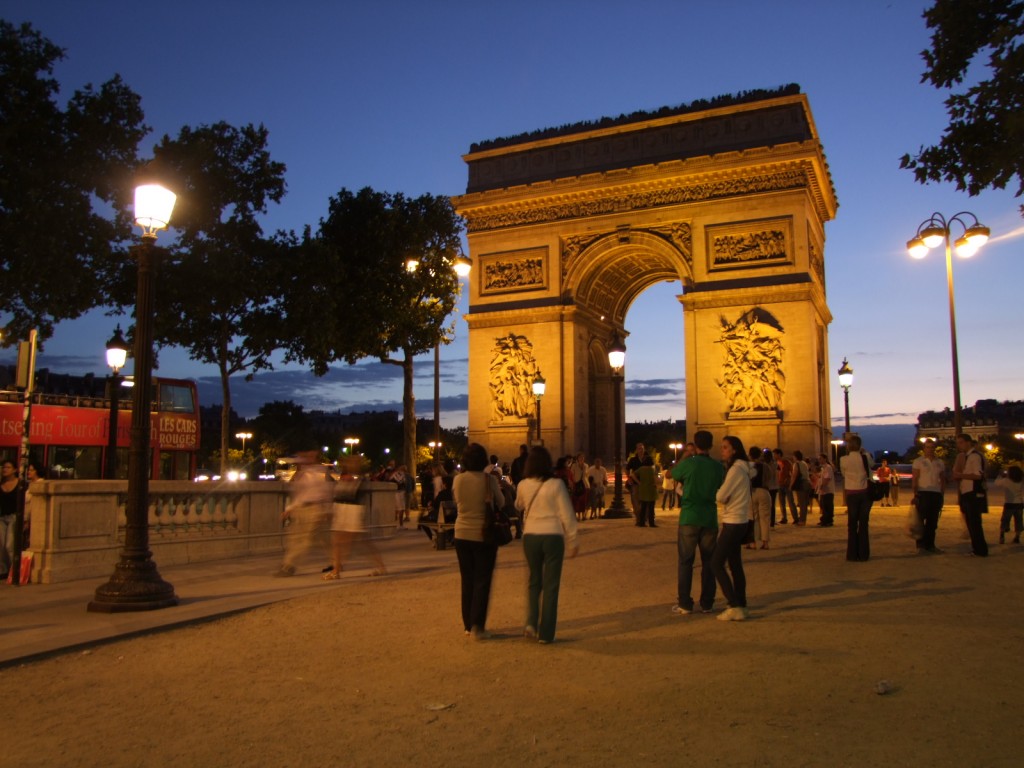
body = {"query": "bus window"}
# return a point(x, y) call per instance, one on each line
point(174, 465)
point(68, 462)
point(175, 398)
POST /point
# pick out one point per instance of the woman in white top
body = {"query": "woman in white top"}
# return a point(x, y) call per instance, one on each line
point(549, 533)
point(856, 473)
point(734, 499)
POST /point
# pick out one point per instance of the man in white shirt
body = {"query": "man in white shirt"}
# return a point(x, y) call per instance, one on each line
point(969, 471)
point(928, 484)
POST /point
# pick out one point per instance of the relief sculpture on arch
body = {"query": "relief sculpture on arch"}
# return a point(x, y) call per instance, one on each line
point(752, 378)
point(513, 369)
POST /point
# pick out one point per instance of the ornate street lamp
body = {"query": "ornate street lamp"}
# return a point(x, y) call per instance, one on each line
point(617, 359)
point(351, 443)
point(846, 381)
point(676, 447)
point(136, 585)
point(117, 354)
point(931, 233)
point(462, 266)
point(539, 386)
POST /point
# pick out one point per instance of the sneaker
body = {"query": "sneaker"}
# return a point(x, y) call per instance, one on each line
point(678, 610)
point(709, 609)
point(286, 570)
point(530, 632)
point(733, 614)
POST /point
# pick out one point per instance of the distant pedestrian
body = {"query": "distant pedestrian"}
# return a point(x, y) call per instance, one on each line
point(856, 474)
point(928, 484)
point(1012, 483)
point(785, 496)
point(598, 477)
point(760, 500)
point(969, 471)
point(826, 492)
point(647, 491)
point(549, 523)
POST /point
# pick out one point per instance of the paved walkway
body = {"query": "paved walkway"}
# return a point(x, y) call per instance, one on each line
point(39, 619)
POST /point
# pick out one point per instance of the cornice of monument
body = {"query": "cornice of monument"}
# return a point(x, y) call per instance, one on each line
point(672, 183)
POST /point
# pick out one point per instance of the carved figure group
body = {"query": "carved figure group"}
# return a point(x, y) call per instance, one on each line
point(752, 378)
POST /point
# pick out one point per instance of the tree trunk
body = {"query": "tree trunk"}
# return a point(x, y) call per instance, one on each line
point(225, 418)
point(408, 415)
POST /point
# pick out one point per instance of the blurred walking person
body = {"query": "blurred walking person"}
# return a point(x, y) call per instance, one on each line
point(312, 490)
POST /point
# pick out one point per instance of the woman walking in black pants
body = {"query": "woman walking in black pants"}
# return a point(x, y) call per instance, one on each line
point(477, 554)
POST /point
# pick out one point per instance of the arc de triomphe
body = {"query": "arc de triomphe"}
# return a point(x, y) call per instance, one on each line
point(566, 230)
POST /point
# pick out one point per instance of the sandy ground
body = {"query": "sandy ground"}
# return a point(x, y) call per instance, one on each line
point(378, 672)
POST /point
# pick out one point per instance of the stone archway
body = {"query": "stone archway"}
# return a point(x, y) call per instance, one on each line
point(566, 230)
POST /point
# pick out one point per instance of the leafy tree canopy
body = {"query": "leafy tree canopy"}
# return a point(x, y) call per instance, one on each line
point(983, 145)
point(218, 286)
point(351, 295)
point(60, 170)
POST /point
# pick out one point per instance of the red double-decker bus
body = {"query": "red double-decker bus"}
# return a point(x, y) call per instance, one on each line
point(68, 434)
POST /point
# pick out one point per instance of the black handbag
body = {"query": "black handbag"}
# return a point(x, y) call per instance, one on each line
point(497, 526)
point(876, 489)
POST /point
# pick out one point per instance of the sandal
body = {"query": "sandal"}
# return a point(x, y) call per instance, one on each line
point(332, 575)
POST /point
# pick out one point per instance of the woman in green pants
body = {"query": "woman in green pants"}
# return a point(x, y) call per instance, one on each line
point(549, 534)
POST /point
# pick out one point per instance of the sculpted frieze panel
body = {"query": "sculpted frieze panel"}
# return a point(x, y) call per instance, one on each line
point(514, 271)
point(752, 378)
point(795, 178)
point(749, 244)
point(513, 369)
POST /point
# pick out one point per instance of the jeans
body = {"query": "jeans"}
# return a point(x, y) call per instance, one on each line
point(689, 539)
point(1013, 512)
point(729, 549)
point(929, 507)
point(828, 508)
point(6, 544)
point(786, 495)
point(544, 554)
point(476, 566)
point(858, 509)
point(972, 505)
point(774, 494)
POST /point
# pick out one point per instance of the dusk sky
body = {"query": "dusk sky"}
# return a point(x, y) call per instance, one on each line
point(391, 94)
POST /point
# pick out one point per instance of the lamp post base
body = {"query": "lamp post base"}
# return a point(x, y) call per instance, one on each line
point(135, 586)
point(617, 510)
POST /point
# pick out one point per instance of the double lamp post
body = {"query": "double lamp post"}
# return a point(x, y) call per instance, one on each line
point(136, 584)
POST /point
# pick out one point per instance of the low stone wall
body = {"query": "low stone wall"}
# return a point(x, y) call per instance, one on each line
point(78, 525)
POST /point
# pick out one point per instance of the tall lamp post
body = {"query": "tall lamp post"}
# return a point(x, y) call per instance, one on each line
point(462, 267)
point(539, 385)
point(617, 359)
point(351, 443)
point(676, 447)
point(117, 354)
point(136, 585)
point(931, 233)
point(846, 381)
point(243, 436)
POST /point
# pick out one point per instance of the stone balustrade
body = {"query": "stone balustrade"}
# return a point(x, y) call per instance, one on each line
point(78, 525)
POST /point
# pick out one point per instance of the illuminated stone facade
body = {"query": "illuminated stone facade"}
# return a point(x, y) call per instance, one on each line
point(566, 231)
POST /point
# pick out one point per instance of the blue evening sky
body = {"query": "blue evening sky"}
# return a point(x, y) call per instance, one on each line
point(390, 94)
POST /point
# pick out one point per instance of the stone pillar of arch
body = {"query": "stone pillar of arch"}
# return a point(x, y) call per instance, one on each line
point(566, 230)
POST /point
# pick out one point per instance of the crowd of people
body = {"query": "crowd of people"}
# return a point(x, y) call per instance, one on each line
point(724, 504)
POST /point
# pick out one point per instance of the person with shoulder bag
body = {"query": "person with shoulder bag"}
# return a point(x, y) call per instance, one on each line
point(970, 474)
point(476, 550)
point(549, 534)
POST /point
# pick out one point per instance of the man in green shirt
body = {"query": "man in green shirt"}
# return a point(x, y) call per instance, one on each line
point(701, 477)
